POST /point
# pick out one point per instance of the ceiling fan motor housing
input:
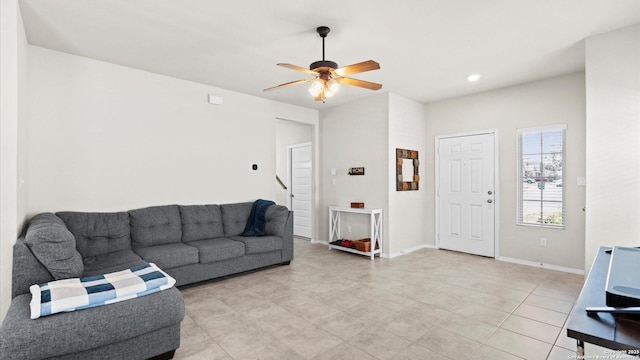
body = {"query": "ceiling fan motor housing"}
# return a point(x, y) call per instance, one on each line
point(323, 64)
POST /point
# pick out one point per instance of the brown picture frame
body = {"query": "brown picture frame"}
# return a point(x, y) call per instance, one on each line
point(403, 155)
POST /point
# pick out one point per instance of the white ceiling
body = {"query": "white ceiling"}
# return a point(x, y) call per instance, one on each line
point(426, 48)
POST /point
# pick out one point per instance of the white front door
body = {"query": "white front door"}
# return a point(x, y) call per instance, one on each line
point(466, 194)
point(300, 194)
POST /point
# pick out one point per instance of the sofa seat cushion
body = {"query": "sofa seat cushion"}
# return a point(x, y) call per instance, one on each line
point(169, 255)
point(260, 244)
point(218, 249)
point(155, 225)
point(98, 233)
point(67, 333)
point(54, 245)
point(108, 263)
point(201, 222)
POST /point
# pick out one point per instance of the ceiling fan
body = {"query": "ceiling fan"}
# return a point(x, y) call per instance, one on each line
point(327, 77)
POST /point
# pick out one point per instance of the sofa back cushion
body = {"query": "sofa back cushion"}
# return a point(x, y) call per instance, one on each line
point(54, 246)
point(98, 233)
point(234, 217)
point(155, 225)
point(276, 220)
point(201, 222)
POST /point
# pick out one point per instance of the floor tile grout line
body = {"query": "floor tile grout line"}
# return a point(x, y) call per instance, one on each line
point(503, 321)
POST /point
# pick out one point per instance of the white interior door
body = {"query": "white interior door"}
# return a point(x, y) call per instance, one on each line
point(301, 189)
point(466, 194)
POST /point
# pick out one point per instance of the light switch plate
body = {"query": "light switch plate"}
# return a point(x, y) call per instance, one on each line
point(215, 100)
point(582, 181)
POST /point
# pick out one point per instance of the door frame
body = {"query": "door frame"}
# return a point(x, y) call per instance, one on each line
point(290, 180)
point(496, 173)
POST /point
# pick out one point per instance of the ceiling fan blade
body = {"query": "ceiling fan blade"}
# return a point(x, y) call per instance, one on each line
point(358, 68)
point(360, 83)
point(297, 68)
point(288, 84)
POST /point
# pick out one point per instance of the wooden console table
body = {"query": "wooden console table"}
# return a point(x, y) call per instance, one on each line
point(375, 228)
point(619, 332)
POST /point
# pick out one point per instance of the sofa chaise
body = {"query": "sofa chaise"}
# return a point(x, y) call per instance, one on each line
point(190, 243)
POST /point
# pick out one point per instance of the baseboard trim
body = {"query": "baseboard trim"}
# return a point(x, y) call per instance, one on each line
point(541, 265)
point(409, 250)
point(499, 258)
point(387, 256)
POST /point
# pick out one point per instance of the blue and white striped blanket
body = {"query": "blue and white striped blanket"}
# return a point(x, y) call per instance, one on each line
point(81, 293)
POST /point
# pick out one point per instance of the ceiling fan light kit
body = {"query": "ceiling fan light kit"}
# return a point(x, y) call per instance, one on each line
point(327, 77)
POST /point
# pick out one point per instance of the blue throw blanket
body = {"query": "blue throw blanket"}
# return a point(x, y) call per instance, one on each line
point(81, 293)
point(256, 221)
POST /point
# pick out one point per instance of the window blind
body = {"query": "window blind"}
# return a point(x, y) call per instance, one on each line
point(541, 154)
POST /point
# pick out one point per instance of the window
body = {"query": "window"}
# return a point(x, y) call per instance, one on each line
point(540, 176)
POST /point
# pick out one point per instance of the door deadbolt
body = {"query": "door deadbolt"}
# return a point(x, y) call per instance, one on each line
point(490, 192)
point(489, 201)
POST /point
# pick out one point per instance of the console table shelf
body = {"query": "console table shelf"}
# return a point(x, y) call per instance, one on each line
point(375, 229)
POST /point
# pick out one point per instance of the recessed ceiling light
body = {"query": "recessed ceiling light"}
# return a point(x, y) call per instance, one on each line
point(473, 77)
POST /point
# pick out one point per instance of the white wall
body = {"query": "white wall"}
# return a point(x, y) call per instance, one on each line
point(613, 146)
point(104, 137)
point(288, 133)
point(557, 100)
point(407, 209)
point(13, 71)
point(23, 116)
point(355, 135)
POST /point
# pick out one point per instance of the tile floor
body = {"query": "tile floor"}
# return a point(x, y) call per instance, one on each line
point(429, 304)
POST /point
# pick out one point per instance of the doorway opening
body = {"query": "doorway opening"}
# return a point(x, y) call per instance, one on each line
point(295, 173)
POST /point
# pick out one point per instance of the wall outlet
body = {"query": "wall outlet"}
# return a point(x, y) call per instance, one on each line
point(543, 241)
point(348, 228)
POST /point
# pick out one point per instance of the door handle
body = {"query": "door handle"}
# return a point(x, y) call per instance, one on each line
point(489, 201)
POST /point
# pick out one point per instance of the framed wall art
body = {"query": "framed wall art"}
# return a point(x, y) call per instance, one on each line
point(407, 174)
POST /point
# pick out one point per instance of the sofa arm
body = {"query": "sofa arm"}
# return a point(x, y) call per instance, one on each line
point(280, 223)
point(287, 239)
point(27, 270)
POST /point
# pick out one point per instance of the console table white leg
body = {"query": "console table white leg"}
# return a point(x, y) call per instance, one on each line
point(372, 231)
point(334, 225)
point(377, 233)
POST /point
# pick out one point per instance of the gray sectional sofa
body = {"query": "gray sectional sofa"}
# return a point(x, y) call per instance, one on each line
point(191, 243)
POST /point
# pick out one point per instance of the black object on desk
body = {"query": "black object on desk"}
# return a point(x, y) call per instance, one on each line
point(601, 328)
point(623, 279)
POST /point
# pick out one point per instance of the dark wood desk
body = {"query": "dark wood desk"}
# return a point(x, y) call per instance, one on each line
point(617, 332)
